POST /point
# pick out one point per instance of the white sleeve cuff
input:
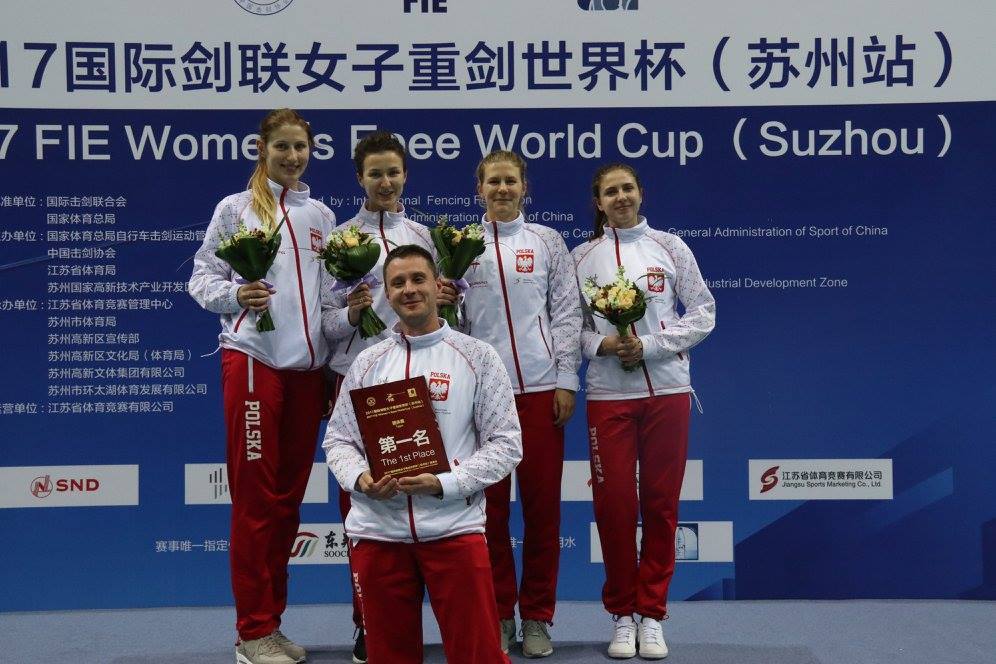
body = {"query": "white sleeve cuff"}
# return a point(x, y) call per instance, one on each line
point(591, 350)
point(651, 349)
point(451, 488)
point(568, 381)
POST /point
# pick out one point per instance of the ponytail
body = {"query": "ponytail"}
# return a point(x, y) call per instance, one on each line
point(263, 202)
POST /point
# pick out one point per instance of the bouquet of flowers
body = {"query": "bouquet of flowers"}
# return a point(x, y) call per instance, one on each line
point(251, 253)
point(620, 302)
point(349, 256)
point(457, 249)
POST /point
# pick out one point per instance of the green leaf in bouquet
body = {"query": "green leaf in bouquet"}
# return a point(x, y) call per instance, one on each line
point(463, 255)
point(441, 235)
point(363, 258)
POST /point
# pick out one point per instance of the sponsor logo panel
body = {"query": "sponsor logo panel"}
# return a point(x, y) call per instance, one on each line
point(820, 479)
point(576, 482)
point(694, 542)
point(68, 486)
point(320, 544)
point(207, 484)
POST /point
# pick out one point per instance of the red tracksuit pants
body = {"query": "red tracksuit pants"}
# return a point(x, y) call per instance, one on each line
point(272, 418)
point(539, 475)
point(653, 430)
point(392, 578)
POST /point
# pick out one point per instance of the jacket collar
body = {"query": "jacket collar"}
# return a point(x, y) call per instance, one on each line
point(505, 228)
point(628, 234)
point(391, 219)
point(293, 198)
point(422, 340)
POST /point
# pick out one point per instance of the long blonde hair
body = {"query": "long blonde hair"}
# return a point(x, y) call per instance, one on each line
point(263, 202)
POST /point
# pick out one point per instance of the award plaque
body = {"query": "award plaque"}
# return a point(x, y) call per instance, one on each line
point(399, 429)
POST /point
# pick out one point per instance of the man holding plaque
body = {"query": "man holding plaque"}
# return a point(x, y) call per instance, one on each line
point(423, 530)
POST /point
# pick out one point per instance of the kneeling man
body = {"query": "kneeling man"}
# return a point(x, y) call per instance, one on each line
point(427, 531)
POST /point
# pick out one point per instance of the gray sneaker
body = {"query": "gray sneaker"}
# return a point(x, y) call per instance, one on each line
point(266, 650)
point(294, 651)
point(536, 639)
point(507, 626)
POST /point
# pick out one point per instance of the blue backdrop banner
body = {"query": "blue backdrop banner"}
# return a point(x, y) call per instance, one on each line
point(831, 172)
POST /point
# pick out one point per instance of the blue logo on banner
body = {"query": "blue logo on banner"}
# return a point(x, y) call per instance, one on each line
point(608, 5)
point(263, 7)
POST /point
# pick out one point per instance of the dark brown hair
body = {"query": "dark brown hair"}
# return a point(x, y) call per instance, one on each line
point(378, 141)
point(596, 188)
point(407, 251)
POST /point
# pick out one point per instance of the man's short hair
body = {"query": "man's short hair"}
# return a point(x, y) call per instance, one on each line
point(407, 251)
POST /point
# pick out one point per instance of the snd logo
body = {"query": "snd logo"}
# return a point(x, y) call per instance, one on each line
point(769, 479)
point(41, 486)
point(263, 7)
point(608, 5)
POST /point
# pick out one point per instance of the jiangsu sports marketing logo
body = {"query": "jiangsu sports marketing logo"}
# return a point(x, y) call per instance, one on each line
point(263, 7)
point(820, 479)
point(608, 5)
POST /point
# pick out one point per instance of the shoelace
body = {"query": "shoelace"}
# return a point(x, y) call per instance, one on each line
point(533, 628)
point(625, 631)
point(653, 633)
point(269, 645)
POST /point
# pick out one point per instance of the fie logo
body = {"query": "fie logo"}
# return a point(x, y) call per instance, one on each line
point(264, 7)
point(608, 5)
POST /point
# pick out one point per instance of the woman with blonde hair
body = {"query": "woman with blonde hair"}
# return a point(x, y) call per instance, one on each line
point(272, 382)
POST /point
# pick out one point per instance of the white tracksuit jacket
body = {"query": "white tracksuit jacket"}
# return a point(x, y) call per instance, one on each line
point(473, 402)
point(523, 300)
point(301, 283)
point(391, 229)
point(663, 266)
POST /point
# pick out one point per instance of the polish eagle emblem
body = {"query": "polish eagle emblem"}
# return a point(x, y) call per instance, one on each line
point(524, 260)
point(439, 389)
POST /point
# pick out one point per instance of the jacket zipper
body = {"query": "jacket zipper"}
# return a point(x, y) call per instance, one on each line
point(508, 311)
point(383, 237)
point(300, 279)
point(411, 508)
point(632, 326)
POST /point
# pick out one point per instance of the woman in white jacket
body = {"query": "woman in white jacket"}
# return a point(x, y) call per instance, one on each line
point(272, 382)
point(524, 301)
point(641, 415)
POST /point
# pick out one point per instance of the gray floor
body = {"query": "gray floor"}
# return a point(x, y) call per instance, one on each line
point(776, 632)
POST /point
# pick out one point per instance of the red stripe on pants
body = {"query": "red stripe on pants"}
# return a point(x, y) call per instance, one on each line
point(272, 431)
point(344, 504)
point(393, 578)
point(655, 431)
point(539, 474)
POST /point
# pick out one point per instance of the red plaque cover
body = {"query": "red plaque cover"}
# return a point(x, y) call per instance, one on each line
point(399, 429)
